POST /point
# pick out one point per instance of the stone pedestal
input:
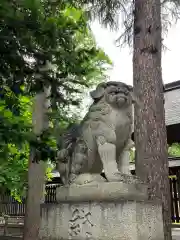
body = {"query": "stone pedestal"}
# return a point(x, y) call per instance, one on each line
point(102, 211)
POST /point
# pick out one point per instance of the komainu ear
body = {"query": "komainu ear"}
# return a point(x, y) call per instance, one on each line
point(130, 88)
point(133, 96)
point(99, 92)
point(135, 99)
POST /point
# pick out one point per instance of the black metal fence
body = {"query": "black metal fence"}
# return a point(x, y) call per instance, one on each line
point(50, 196)
point(9, 206)
point(175, 194)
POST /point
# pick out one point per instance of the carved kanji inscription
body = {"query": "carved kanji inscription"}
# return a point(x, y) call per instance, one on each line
point(79, 219)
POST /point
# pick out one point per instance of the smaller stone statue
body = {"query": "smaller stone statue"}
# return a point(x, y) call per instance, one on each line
point(102, 140)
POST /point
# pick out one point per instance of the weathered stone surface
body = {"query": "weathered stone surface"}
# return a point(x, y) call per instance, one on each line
point(109, 191)
point(122, 217)
point(125, 220)
point(175, 233)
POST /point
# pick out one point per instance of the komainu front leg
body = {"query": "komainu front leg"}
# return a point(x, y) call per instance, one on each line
point(107, 152)
point(123, 163)
point(124, 158)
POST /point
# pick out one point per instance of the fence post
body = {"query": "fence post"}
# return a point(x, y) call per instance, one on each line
point(172, 200)
point(6, 218)
point(178, 183)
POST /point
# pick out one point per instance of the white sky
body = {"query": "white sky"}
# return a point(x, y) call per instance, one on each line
point(122, 59)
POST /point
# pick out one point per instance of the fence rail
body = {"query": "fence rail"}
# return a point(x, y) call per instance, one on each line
point(9, 206)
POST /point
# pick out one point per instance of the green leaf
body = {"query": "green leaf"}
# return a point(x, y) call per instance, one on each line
point(174, 150)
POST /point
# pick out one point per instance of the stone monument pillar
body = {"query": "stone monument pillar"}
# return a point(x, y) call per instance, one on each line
point(102, 211)
point(89, 206)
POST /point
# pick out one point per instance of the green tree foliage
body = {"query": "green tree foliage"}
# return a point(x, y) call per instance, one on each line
point(132, 155)
point(174, 150)
point(33, 32)
point(14, 134)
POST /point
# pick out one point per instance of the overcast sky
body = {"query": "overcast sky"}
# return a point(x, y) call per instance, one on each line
point(122, 59)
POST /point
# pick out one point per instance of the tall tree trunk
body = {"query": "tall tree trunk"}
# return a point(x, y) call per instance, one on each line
point(150, 129)
point(36, 173)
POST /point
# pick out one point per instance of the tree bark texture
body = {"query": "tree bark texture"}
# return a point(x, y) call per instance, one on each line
point(36, 173)
point(35, 193)
point(149, 129)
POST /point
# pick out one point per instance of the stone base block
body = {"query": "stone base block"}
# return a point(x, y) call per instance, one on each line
point(114, 218)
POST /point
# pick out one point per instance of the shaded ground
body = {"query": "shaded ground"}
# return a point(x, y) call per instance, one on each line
point(10, 238)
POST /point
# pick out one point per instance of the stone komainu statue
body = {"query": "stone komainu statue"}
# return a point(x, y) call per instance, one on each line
point(103, 139)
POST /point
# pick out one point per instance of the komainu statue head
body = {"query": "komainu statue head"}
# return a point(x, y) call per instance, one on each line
point(117, 94)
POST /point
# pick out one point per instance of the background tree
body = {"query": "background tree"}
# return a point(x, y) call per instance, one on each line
point(149, 128)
